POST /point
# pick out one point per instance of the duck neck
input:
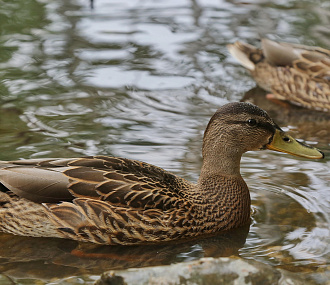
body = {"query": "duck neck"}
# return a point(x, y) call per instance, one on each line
point(221, 193)
point(223, 162)
point(219, 172)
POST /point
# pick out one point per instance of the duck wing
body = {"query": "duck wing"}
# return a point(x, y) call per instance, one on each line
point(118, 181)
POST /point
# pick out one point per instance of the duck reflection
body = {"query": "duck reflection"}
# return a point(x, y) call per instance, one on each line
point(47, 258)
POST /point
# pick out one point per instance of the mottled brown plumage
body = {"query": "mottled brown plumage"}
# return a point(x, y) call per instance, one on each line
point(297, 73)
point(110, 200)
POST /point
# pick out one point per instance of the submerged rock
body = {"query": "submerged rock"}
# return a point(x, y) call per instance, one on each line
point(204, 271)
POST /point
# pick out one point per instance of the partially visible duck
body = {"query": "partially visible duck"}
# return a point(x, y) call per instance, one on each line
point(296, 73)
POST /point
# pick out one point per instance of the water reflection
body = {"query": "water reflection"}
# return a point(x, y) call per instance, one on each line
point(140, 79)
point(22, 257)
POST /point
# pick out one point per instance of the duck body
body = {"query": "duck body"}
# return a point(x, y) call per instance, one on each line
point(110, 200)
point(296, 73)
point(116, 201)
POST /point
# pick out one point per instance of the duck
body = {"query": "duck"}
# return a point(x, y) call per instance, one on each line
point(295, 73)
point(119, 201)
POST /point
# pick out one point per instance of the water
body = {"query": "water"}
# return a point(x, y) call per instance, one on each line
point(140, 79)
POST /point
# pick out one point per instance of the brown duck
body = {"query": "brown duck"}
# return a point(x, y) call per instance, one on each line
point(109, 200)
point(296, 73)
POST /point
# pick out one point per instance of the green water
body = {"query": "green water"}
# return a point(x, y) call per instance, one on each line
point(140, 79)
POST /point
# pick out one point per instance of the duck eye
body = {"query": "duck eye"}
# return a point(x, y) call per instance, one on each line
point(252, 122)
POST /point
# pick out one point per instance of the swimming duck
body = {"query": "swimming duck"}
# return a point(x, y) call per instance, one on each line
point(111, 200)
point(296, 73)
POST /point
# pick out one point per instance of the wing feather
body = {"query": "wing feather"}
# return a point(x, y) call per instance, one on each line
point(38, 185)
point(117, 181)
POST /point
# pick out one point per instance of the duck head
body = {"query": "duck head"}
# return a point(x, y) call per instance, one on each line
point(240, 127)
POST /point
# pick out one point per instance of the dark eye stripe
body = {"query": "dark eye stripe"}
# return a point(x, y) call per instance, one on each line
point(266, 126)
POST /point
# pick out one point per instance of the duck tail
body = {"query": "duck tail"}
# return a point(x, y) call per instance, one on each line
point(243, 53)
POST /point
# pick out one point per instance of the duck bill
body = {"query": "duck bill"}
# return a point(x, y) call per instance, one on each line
point(285, 143)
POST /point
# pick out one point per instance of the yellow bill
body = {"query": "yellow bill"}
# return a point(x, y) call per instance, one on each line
point(285, 143)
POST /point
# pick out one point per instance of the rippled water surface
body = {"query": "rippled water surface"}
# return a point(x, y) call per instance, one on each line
point(140, 79)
